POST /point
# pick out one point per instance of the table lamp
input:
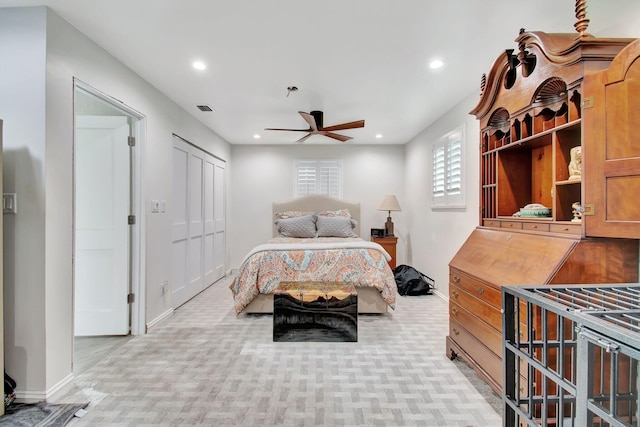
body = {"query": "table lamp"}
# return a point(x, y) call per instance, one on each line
point(389, 203)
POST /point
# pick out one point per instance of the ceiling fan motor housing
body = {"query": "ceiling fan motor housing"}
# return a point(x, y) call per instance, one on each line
point(317, 115)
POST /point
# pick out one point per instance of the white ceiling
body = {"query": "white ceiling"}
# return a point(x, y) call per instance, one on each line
point(352, 59)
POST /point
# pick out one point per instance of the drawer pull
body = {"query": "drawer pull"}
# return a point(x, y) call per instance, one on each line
point(455, 294)
point(456, 279)
point(480, 290)
point(534, 226)
point(454, 311)
point(455, 331)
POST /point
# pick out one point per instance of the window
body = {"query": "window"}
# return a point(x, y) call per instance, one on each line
point(317, 177)
point(448, 166)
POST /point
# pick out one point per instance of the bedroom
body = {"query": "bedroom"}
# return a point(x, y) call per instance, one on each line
point(385, 169)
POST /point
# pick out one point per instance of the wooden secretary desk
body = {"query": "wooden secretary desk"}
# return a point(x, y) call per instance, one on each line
point(548, 95)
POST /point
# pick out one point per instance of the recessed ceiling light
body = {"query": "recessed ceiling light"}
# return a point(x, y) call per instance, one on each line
point(198, 65)
point(379, 136)
point(256, 136)
point(436, 63)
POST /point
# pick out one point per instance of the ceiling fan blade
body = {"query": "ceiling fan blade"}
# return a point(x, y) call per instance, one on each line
point(343, 126)
point(293, 130)
point(304, 137)
point(309, 119)
point(339, 137)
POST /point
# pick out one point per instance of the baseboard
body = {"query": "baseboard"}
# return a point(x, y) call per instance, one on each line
point(441, 295)
point(159, 319)
point(42, 396)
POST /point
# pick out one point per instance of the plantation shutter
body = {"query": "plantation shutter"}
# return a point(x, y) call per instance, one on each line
point(318, 177)
point(447, 163)
point(438, 170)
point(454, 172)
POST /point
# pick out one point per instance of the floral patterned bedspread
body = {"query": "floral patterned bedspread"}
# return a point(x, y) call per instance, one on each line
point(323, 259)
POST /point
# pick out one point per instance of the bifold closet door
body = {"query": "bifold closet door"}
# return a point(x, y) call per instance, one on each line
point(219, 209)
point(214, 219)
point(196, 222)
point(209, 220)
point(198, 250)
point(180, 223)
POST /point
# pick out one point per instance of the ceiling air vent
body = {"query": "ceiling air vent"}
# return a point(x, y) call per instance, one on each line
point(204, 108)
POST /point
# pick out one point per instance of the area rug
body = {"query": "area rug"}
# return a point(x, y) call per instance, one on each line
point(41, 414)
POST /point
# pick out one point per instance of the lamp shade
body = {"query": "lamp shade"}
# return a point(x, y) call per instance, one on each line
point(389, 203)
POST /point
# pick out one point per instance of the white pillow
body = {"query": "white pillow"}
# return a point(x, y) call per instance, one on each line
point(298, 226)
point(335, 226)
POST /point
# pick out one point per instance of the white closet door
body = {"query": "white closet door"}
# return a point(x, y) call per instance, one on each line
point(209, 224)
point(196, 221)
point(180, 223)
point(219, 252)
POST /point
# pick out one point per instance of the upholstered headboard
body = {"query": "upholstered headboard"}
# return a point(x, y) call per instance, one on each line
point(316, 203)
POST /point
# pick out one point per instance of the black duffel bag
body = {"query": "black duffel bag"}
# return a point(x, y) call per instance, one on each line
point(411, 282)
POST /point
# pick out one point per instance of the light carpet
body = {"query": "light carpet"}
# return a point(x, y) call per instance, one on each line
point(206, 366)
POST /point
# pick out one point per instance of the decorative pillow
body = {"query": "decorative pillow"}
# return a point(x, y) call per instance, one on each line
point(335, 226)
point(290, 214)
point(339, 212)
point(297, 226)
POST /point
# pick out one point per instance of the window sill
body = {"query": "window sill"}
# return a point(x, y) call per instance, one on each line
point(449, 208)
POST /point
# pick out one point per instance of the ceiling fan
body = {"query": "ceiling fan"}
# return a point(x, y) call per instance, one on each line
point(314, 119)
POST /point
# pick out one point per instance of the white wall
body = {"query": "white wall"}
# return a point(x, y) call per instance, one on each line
point(22, 107)
point(436, 235)
point(38, 274)
point(261, 175)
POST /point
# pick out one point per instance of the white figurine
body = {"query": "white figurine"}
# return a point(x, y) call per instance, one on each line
point(575, 165)
point(577, 212)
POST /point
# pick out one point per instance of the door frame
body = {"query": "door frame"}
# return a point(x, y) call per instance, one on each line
point(137, 235)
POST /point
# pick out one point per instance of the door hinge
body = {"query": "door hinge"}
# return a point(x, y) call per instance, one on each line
point(131, 298)
point(131, 219)
point(587, 102)
point(131, 141)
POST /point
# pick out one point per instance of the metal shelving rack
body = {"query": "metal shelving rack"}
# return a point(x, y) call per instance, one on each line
point(570, 355)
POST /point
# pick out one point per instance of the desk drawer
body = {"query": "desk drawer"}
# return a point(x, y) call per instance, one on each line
point(514, 225)
point(476, 350)
point(566, 228)
point(478, 289)
point(535, 226)
point(490, 337)
point(491, 223)
point(475, 306)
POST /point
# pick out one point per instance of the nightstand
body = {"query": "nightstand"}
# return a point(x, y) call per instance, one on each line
point(389, 245)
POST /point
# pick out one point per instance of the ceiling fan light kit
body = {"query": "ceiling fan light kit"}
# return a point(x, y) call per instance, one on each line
point(315, 120)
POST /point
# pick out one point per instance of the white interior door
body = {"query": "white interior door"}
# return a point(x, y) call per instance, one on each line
point(196, 221)
point(180, 224)
point(209, 221)
point(219, 252)
point(102, 187)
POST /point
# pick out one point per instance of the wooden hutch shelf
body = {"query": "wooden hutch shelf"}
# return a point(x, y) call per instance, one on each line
point(534, 109)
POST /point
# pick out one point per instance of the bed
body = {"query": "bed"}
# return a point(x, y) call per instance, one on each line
point(337, 254)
